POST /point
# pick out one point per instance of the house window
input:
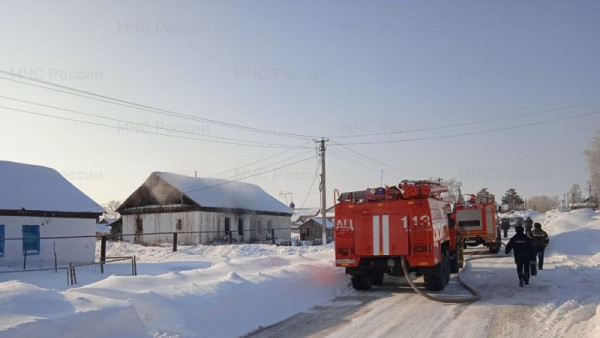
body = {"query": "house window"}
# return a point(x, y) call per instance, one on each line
point(258, 227)
point(227, 226)
point(179, 225)
point(241, 226)
point(269, 226)
point(1, 240)
point(31, 239)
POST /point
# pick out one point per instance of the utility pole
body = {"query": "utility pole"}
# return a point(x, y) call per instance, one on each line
point(285, 195)
point(323, 190)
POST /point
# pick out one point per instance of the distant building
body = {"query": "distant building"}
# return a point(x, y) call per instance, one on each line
point(203, 210)
point(302, 215)
point(301, 221)
point(313, 229)
point(36, 202)
point(586, 203)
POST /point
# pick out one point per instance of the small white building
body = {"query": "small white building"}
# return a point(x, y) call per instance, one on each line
point(302, 215)
point(313, 229)
point(202, 210)
point(38, 202)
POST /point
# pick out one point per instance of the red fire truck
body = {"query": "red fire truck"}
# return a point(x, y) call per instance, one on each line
point(476, 220)
point(376, 228)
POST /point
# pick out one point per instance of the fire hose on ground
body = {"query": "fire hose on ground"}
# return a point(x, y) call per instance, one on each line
point(449, 300)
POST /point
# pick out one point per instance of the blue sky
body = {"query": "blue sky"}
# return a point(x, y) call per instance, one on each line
point(416, 72)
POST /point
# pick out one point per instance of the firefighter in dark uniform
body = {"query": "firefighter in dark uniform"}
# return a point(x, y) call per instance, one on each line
point(505, 225)
point(524, 254)
point(540, 241)
point(528, 226)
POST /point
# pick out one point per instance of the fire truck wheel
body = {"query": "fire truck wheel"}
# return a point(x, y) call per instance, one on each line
point(362, 282)
point(446, 264)
point(454, 265)
point(435, 281)
point(377, 277)
point(494, 248)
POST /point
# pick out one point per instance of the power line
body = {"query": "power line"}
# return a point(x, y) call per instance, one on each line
point(301, 146)
point(132, 123)
point(355, 160)
point(474, 132)
point(249, 176)
point(465, 124)
point(312, 184)
point(255, 144)
point(281, 161)
point(370, 160)
point(108, 99)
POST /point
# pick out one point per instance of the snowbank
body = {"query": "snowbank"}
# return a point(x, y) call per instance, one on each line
point(200, 291)
point(30, 311)
point(228, 291)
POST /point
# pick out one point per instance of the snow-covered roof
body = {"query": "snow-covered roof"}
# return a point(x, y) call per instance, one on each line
point(28, 187)
point(319, 220)
point(103, 228)
point(220, 193)
point(304, 212)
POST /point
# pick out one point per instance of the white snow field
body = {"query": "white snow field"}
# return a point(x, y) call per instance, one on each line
point(230, 291)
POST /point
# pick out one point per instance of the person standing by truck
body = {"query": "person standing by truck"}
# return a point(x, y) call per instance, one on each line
point(505, 225)
point(524, 254)
point(540, 241)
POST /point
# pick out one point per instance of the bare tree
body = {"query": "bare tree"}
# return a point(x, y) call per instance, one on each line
point(543, 203)
point(111, 209)
point(592, 155)
point(575, 194)
point(453, 190)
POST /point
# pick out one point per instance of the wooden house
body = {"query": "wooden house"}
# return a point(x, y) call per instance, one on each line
point(313, 229)
point(202, 210)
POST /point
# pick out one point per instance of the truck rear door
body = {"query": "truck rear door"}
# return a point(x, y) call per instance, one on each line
point(382, 235)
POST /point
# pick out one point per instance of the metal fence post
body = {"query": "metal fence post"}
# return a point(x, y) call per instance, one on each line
point(102, 253)
point(174, 241)
point(72, 274)
point(272, 236)
point(55, 259)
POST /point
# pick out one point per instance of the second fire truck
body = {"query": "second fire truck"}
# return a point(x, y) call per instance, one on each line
point(476, 220)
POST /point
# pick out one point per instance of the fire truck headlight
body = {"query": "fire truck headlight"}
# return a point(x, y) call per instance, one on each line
point(391, 262)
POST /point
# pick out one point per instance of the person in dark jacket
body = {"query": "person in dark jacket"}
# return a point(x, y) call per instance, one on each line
point(528, 226)
point(540, 241)
point(524, 254)
point(505, 225)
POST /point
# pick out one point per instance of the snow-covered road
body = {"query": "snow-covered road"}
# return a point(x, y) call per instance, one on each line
point(557, 303)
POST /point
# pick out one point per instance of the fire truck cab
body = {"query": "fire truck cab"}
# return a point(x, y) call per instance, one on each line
point(375, 228)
